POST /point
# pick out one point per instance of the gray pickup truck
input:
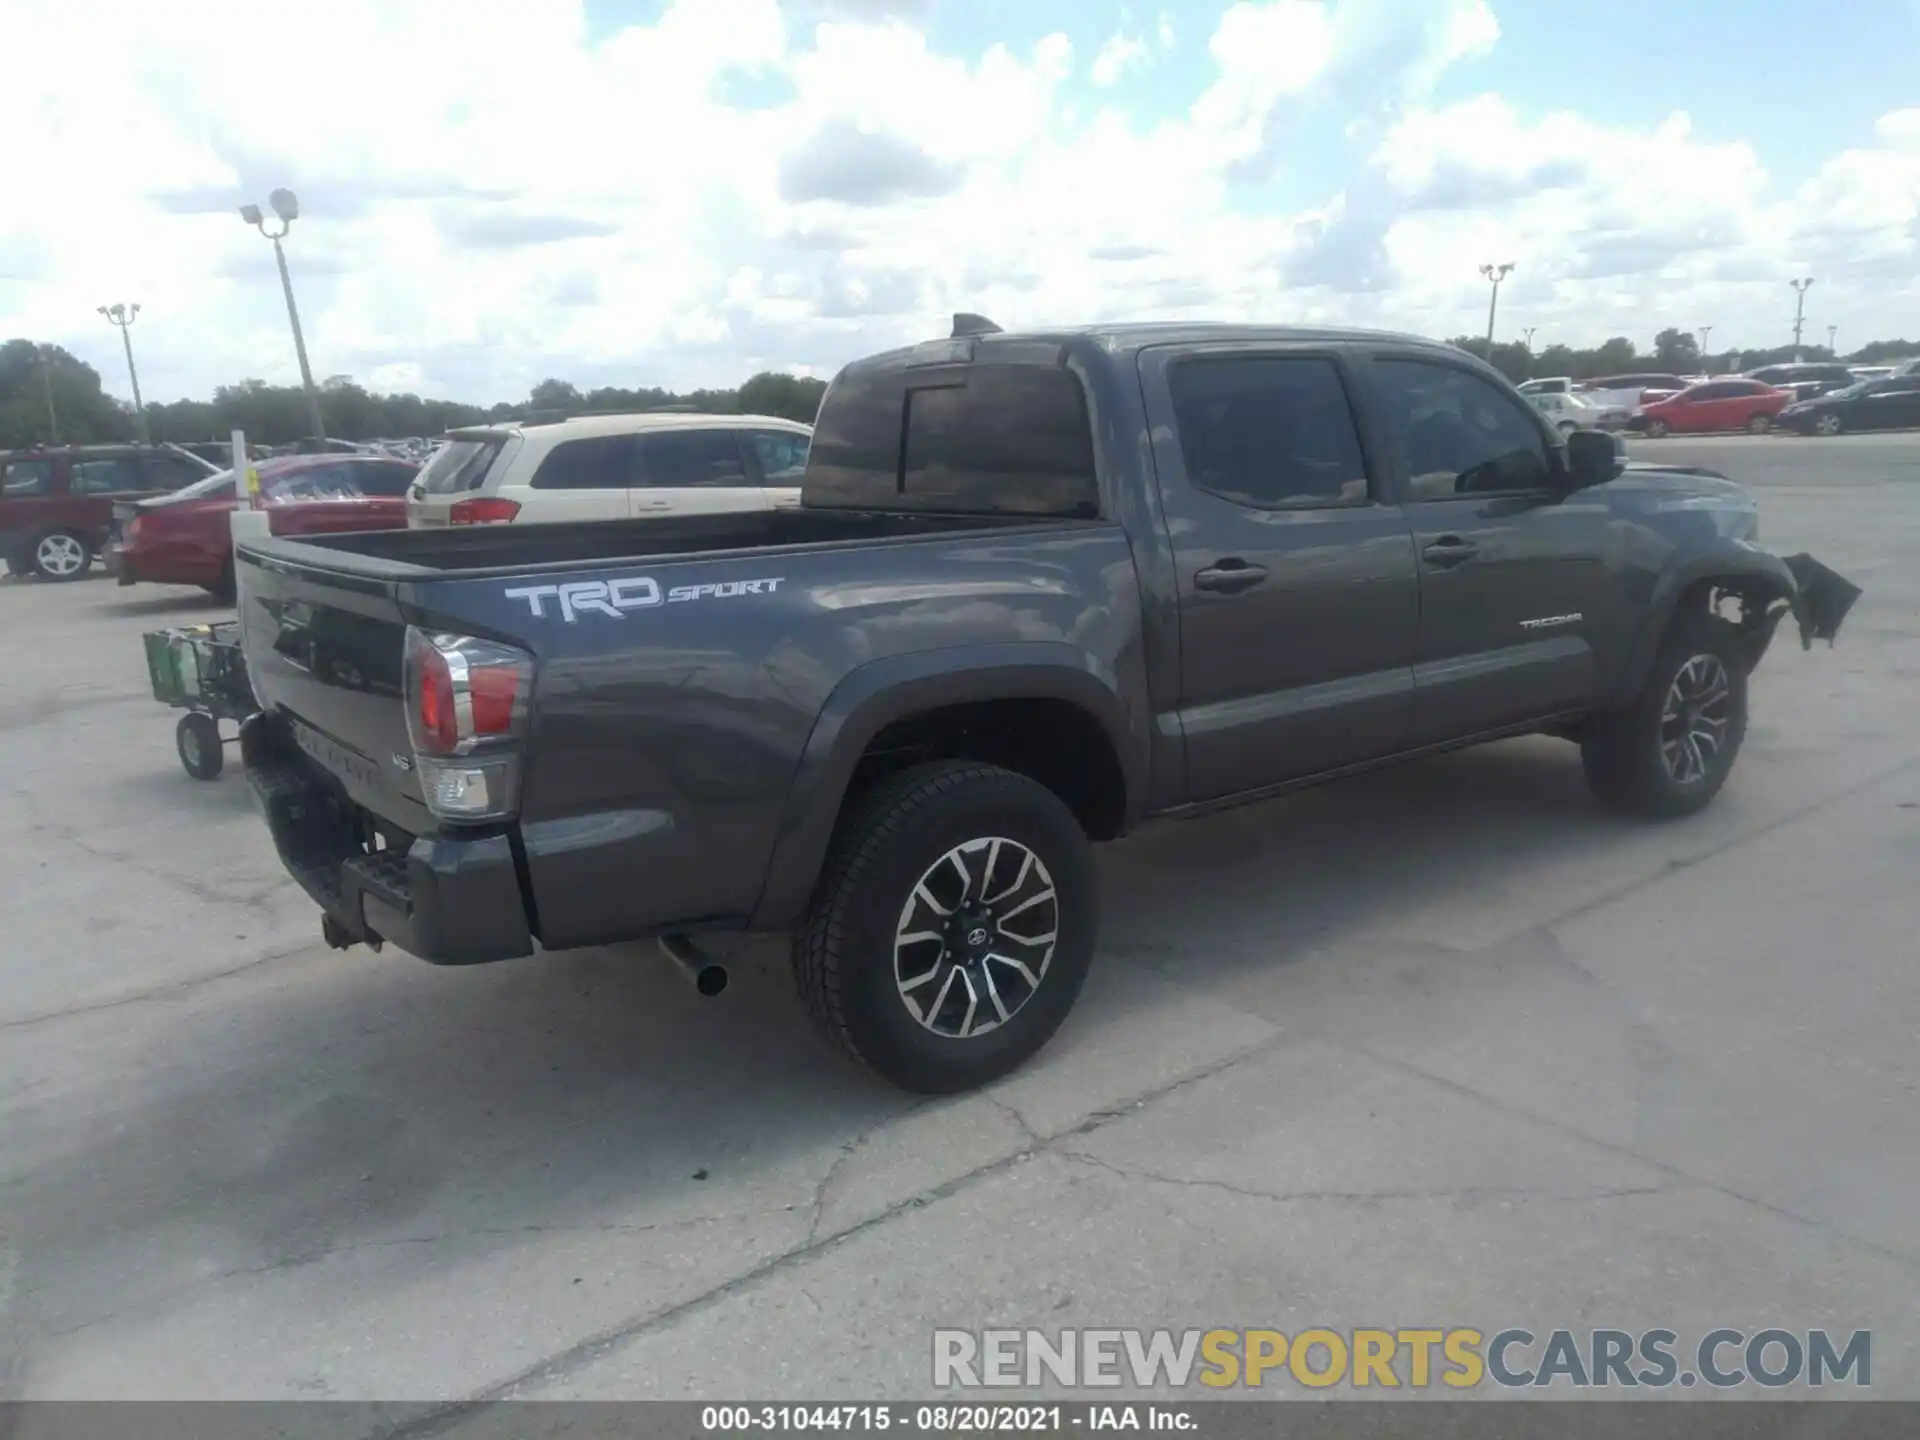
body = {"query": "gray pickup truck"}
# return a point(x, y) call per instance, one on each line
point(1041, 588)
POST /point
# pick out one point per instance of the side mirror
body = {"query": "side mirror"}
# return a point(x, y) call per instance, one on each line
point(1593, 458)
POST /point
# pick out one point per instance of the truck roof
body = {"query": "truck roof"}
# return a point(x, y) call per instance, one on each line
point(1121, 338)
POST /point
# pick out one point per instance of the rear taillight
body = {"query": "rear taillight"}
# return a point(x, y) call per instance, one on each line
point(134, 527)
point(466, 715)
point(483, 510)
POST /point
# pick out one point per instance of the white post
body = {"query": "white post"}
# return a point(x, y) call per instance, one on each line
point(247, 523)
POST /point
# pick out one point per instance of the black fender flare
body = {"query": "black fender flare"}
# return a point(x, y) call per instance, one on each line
point(1735, 562)
point(876, 694)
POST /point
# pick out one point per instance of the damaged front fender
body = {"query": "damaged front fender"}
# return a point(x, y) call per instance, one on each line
point(1821, 599)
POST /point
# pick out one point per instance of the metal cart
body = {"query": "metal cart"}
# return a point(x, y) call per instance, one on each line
point(199, 669)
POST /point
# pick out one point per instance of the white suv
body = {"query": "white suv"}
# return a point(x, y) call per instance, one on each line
point(611, 467)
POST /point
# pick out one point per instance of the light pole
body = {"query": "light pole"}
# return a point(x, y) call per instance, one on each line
point(1495, 274)
point(1800, 288)
point(287, 207)
point(1527, 342)
point(121, 317)
point(1832, 330)
point(46, 386)
point(1705, 331)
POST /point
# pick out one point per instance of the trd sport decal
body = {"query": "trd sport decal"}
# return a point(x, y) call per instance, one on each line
point(636, 592)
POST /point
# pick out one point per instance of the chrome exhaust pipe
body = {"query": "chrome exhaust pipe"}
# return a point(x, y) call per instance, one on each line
point(708, 975)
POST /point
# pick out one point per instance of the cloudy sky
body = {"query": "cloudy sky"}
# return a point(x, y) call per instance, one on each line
point(682, 192)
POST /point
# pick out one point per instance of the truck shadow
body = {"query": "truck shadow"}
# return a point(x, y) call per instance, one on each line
point(196, 604)
point(319, 1105)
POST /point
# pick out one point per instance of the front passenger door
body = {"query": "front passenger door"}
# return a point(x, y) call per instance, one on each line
point(1514, 588)
point(693, 472)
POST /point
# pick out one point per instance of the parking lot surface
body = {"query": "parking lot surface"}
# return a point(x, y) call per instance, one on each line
point(1445, 1045)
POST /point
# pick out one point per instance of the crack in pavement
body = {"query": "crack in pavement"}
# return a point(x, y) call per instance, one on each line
point(1712, 852)
point(1443, 1192)
point(46, 825)
point(596, 1347)
point(1652, 1162)
point(160, 994)
point(400, 1242)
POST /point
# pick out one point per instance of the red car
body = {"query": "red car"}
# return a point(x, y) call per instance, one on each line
point(1746, 405)
point(186, 538)
point(57, 503)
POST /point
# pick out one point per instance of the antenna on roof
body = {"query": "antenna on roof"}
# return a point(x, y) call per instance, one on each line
point(967, 323)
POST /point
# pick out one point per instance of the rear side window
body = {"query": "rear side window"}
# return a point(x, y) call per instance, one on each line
point(460, 465)
point(1268, 432)
point(604, 462)
point(27, 477)
point(1009, 437)
point(679, 458)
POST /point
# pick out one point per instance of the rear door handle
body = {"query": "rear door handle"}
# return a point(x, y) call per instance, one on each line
point(1230, 576)
point(1448, 551)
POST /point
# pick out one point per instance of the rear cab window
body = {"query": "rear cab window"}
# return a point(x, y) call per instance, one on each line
point(993, 436)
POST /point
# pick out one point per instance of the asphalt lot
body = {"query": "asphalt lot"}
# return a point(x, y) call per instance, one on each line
point(1447, 1045)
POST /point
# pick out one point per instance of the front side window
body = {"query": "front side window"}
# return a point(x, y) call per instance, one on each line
point(782, 456)
point(671, 459)
point(110, 476)
point(1461, 435)
point(1268, 432)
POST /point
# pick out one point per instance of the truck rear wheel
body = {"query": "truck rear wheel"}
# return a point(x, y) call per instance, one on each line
point(1668, 753)
point(953, 927)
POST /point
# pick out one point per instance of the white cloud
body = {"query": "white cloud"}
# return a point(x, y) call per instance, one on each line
point(600, 208)
point(1119, 55)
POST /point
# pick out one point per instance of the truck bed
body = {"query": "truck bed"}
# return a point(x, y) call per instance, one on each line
point(514, 549)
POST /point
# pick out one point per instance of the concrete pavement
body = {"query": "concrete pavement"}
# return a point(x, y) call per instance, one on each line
point(1444, 1045)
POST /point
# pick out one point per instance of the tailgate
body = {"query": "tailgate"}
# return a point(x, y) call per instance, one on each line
point(324, 650)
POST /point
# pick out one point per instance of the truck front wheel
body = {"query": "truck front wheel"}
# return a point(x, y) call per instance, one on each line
point(1668, 753)
point(953, 927)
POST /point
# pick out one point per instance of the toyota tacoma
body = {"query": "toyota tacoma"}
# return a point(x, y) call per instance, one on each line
point(1040, 588)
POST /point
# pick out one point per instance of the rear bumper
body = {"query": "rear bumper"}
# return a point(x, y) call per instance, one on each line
point(450, 901)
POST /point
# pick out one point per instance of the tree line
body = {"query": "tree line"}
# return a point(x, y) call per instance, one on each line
point(1675, 352)
point(48, 394)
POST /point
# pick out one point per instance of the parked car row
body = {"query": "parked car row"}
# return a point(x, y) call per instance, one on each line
point(186, 538)
point(56, 503)
point(1821, 398)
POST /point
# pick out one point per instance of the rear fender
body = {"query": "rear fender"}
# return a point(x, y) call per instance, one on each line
point(883, 691)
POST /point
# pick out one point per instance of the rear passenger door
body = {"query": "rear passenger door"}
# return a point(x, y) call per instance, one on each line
point(693, 472)
point(586, 479)
point(1295, 573)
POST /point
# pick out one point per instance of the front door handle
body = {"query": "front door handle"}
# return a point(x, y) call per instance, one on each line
point(1230, 576)
point(1448, 551)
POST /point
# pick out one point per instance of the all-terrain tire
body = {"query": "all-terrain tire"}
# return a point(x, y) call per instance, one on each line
point(902, 837)
point(1650, 758)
